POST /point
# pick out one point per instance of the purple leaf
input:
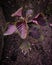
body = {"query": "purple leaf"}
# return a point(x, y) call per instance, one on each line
point(11, 29)
point(22, 29)
point(34, 33)
point(34, 21)
point(18, 12)
point(37, 15)
point(39, 19)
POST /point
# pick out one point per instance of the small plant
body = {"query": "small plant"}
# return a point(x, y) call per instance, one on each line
point(22, 26)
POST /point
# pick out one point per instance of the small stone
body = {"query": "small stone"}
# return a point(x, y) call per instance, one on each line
point(7, 57)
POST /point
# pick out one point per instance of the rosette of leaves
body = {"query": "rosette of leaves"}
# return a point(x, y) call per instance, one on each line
point(25, 26)
point(21, 26)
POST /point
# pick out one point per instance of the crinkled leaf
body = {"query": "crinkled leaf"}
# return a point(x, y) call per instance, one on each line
point(11, 29)
point(18, 12)
point(22, 29)
point(39, 19)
